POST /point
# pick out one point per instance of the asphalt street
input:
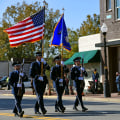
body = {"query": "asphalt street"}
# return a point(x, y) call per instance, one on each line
point(97, 110)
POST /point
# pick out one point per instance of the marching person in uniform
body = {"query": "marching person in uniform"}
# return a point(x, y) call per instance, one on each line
point(77, 74)
point(14, 82)
point(39, 82)
point(59, 82)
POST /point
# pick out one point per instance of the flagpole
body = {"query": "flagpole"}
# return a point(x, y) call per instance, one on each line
point(62, 50)
point(59, 38)
point(61, 62)
point(42, 41)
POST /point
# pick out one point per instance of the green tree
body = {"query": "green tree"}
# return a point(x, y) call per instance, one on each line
point(3, 45)
point(90, 26)
point(14, 14)
point(73, 40)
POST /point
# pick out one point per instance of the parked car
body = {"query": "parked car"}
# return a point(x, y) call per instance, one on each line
point(3, 82)
point(27, 82)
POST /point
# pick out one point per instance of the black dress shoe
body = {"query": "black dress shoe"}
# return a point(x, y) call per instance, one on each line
point(57, 110)
point(63, 109)
point(16, 114)
point(44, 111)
point(37, 113)
point(21, 114)
point(84, 109)
point(75, 108)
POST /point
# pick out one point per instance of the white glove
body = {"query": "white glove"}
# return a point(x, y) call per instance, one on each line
point(19, 85)
point(42, 59)
point(61, 80)
point(80, 78)
point(82, 68)
point(40, 78)
point(44, 62)
point(62, 63)
point(21, 74)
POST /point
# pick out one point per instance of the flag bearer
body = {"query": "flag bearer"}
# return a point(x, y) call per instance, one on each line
point(39, 81)
point(59, 82)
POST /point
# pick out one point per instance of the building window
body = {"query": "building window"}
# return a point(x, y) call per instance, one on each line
point(108, 5)
point(117, 9)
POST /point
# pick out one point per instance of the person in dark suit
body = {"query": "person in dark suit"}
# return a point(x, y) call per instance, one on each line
point(59, 82)
point(77, 74)
point(118, 82)
point(14, 78)
point(95, 76)
point(39, 81)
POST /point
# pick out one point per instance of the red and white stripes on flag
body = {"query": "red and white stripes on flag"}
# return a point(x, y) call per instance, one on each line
point(30, 30)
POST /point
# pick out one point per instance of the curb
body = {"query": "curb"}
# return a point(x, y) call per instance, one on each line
point(114, 100)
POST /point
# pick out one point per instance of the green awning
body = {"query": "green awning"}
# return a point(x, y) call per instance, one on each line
point(89, 56)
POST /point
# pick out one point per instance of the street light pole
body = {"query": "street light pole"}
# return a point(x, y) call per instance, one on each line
point(106, 82)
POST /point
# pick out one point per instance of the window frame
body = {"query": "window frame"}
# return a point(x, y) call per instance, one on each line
point(116, 11)
point(108, 5)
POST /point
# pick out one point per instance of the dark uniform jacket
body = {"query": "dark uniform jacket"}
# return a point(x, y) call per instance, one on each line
point(35, 70)
point(13, 81)
point(76, 73)
point(56, 73)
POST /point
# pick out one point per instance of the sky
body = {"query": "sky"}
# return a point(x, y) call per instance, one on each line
point(75, 12)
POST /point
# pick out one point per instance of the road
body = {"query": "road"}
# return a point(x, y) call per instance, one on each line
point(97, 110)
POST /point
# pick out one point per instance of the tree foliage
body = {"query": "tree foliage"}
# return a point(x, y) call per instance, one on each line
point(14, 14)
point(90, 26)
point(73, 40)
point(3, 49)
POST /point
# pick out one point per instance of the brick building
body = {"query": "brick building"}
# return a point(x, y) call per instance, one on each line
point(110, 15)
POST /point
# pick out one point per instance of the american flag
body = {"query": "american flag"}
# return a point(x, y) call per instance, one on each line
point(30, 30)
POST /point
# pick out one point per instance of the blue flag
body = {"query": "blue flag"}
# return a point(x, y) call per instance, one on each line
point(60, 36)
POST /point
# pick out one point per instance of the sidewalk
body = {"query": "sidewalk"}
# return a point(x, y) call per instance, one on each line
point(88, 97)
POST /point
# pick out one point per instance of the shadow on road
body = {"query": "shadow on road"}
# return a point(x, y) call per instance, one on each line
point(80, 113)
point(8, 104)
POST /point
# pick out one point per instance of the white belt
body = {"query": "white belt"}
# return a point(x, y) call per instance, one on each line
point(80, 78)
point(19, 85)
point(40, 78)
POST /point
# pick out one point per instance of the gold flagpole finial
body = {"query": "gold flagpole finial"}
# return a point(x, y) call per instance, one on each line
point(44, 2)
point(63, 10)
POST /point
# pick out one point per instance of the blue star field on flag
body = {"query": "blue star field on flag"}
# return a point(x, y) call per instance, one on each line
point(60, 35)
